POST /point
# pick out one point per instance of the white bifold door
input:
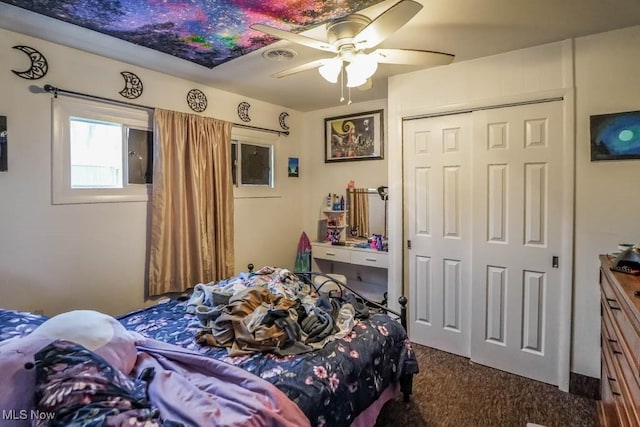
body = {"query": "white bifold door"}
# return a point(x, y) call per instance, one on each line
point(484, 215)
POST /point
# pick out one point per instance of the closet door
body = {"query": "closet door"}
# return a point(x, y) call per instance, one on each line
point(438, 219)
point(517, 222)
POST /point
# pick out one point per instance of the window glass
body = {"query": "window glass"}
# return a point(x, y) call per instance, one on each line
point(256, 164)
point(96, 154)
point(139, 156)
point(251, 164)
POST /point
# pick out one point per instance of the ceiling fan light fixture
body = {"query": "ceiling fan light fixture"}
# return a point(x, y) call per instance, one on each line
point(355, 81)
point(360, 69)
point(331, 70)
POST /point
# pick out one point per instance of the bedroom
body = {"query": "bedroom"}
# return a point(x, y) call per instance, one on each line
point(55, 258)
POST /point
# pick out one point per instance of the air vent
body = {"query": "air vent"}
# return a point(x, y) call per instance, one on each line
point(280, 54)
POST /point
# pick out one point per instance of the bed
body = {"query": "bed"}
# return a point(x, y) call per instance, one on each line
point(344, 382)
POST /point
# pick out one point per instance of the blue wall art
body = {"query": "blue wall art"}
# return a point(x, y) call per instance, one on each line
point(615, 136)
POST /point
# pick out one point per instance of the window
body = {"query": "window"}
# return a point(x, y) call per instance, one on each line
point(252, 164)
point(101, 152)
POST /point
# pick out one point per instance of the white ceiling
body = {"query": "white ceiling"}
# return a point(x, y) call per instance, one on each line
point(466, 28)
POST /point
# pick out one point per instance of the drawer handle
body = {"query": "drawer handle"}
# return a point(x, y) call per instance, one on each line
point(330, 253)
point(612, 341)
point(370, 259)
point(613, 307)
point(611, 381)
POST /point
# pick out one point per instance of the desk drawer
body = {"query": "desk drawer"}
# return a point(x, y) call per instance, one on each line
point(371, 259)
point(332, 253)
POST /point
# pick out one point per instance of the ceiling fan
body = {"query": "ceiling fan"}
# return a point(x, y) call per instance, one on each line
point(350, 38)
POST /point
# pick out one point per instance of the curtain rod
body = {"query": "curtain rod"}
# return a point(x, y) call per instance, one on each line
point(56, 90)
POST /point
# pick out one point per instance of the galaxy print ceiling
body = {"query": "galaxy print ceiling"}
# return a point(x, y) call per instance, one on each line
point(207, 32)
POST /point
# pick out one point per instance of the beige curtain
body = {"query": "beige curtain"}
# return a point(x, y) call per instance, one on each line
point(191, 203)
point(359, 210)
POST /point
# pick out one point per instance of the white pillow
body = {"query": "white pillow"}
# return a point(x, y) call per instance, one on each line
point(96, 331)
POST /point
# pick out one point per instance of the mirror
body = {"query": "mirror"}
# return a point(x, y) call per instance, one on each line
point(367, 212)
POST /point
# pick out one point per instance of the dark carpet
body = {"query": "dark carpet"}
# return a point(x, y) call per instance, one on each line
point(452, 391)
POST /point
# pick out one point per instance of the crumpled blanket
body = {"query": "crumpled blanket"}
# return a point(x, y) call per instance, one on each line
point(256, 320)
point(272, 311)
point(279, 281)
point(196, 390)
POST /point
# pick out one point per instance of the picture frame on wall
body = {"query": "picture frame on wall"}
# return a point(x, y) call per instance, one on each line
point(4, 154)
point(615, 136)
point(293, 167)
point(354, 137)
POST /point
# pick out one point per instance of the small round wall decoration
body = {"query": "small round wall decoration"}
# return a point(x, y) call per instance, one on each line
point(197, 100)
point(39, 65)
point(132, 85)
point(243, 111)
point(282, 118)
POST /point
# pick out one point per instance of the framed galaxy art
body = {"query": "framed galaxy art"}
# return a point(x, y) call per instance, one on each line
point(615, 136)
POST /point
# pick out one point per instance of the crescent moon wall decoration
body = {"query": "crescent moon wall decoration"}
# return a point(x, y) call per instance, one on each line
point(282, 118)
point(132, 85)
point(243, 111)
point(197, 100)
point(39, 65)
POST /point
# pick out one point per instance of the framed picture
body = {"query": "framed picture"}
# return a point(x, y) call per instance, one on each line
point(354, 137)
point(615, 136)
point(293, 168)
point(4, 155)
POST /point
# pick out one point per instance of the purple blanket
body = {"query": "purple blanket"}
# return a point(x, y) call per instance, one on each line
point(198, 390)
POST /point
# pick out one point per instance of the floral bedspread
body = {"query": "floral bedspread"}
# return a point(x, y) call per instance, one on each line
point(331, 385)
point(15, 324)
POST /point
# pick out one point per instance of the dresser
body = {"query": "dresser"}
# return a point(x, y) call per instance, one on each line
point(620, 347)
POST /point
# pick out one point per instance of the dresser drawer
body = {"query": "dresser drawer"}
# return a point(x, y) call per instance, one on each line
point(619, 326)
point(331, 253)
point(609, 404)
point(372, 259)
point(614, 390)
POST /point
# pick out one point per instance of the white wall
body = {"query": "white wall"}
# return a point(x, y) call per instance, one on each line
point(606, 199)
point(333, 177)
point(92, 256)
point(607, 193)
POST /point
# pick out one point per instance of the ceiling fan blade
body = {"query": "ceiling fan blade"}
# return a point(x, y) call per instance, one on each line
point(295, 38)
point(386, 24)
point(412, 57)
point(300, 68)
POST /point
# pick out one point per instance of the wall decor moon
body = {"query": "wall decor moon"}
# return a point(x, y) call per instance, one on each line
point(243, 111)
point(132, 85)
point(39, 65)
point(283, 124)
point(197, 100)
